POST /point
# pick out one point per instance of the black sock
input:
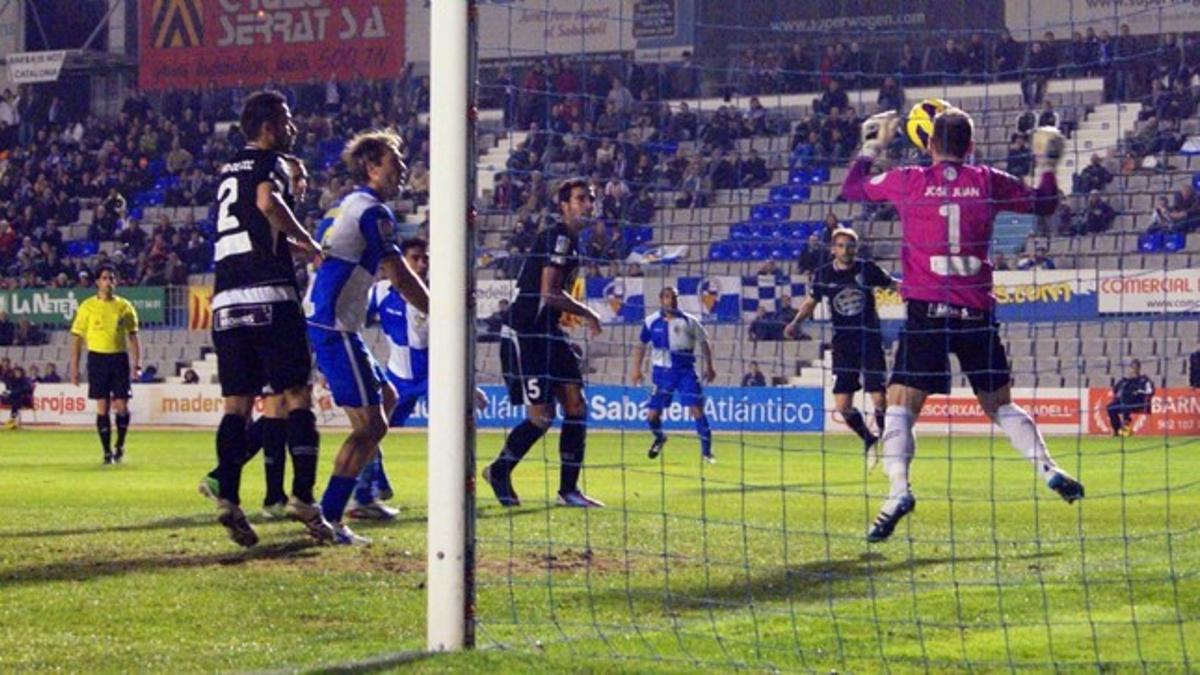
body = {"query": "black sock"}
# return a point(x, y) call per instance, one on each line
point(879, 419)
point(303, 443)
point(854, 420)
point(274, 433)
point(104, 428)
point(231, 447)
point(519, 441)
point(570, 452)
point(1114, 418)
point(122, 428)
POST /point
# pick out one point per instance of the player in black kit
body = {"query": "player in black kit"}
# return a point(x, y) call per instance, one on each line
point(258, 326)
point(847, 284)
point(540, 364)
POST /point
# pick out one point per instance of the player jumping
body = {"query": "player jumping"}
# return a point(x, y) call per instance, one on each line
point(848, 284)
point(673, 336)
point(540, 365)
point(359, 241)
point(947, 211)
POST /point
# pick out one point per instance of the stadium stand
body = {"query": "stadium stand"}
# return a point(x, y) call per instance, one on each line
point(134, 189)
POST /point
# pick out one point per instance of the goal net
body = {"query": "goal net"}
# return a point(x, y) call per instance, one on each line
point(716, 137)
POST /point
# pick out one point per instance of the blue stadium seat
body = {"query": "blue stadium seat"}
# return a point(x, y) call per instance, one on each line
point(719, 252)
point(765, 231)
point(81, 247)
point(781, 251)
point(741, 231)
point(1150, 242)
point(796, 230)
point(818, 174)
point(737, 251)
point(1196, 180)
point(773, 212)
point(758, 251)
point(789, 194)
point(800, 176)
point(1175, 241)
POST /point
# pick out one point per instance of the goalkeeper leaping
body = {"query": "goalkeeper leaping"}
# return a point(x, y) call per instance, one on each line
point(946, 212)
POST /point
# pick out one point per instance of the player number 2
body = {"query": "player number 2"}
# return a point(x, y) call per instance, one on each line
point(228, 241)
point(954, 264)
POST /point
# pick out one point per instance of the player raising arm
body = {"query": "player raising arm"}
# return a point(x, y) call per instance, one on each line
point(947, 212)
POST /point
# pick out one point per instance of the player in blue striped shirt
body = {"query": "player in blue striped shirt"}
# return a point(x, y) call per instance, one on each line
point(358, 244)
point(673, 337)
point(407, 331)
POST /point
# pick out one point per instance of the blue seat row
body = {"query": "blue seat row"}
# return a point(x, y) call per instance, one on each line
point(1160, 242)
point(755, 250)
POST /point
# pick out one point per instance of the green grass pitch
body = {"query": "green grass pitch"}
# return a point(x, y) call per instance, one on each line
point(759, 560)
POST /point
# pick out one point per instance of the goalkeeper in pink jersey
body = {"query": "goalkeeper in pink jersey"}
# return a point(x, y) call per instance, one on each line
point(946, 212)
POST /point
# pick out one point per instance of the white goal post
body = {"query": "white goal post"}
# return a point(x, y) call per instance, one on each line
point(451, 319)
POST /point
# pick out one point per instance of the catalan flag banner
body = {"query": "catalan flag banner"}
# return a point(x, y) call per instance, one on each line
point(190, 43)
point(200, 307)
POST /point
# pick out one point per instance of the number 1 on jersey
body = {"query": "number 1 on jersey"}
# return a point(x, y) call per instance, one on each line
point(953, 215)
point(954, 264)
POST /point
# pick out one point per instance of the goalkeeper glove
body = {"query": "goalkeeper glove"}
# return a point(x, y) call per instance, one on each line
point(877, 133)
point(1048, 148)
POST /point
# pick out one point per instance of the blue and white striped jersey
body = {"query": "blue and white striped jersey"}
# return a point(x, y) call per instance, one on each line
point(673, 340)
point(362, 234)
point(407, 331)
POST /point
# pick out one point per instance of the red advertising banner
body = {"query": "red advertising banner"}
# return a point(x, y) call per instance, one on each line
point(965, 409)
point(188, 44)
point(1173, 412)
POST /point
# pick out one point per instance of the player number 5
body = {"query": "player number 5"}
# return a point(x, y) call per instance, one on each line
point(533, 389)
point(954, 265)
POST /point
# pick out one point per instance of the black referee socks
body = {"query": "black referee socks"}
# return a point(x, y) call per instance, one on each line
point(104, 428)
point(122, 428)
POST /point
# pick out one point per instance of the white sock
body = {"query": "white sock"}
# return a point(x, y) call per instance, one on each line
point(1023, 433)
point(899, 445)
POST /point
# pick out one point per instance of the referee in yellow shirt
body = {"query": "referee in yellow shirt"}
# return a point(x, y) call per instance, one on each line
point(109, 325)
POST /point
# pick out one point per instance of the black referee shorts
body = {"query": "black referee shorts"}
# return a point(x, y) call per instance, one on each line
point(261, 349)
point(108, 376)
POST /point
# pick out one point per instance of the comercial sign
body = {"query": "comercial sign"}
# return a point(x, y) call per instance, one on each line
point(1150, 292)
